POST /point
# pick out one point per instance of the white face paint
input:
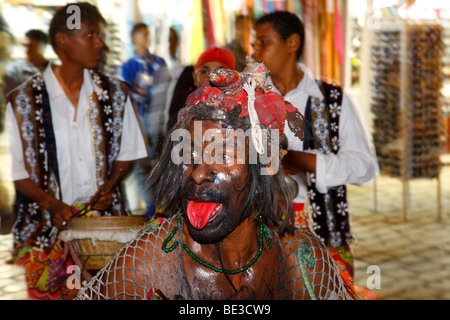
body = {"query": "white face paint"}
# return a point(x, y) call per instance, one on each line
point(224, 146)
point(222, 177)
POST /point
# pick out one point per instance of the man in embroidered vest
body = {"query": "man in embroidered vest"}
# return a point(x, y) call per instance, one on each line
point(336, 149)
point(228, 232)
point(74, 136)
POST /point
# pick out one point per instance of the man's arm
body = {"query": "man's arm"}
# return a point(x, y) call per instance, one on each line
point(104, 192)
point(59, 211)
point(355, 163)
point(295, 162)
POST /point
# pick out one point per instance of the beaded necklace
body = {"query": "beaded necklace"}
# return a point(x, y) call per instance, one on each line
point(262, 234)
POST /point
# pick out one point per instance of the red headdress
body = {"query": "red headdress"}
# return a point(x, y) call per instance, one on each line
point(228, 89)
point(221, 55)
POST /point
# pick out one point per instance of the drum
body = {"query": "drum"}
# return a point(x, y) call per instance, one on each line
point(97, 239)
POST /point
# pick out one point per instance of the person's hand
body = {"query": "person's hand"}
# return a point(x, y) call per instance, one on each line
point(140, 90)
point(61, 214)
point(103, 197)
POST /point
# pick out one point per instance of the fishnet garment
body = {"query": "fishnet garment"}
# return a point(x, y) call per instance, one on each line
point(142, 266)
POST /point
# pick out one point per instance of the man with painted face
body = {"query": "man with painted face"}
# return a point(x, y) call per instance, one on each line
point(228, 230)
point(74, 136)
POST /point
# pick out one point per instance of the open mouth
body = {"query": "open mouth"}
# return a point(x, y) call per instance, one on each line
point(200, 213)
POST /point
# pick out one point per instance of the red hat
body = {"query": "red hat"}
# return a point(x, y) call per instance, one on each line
point(250, 89)
point(221, 55)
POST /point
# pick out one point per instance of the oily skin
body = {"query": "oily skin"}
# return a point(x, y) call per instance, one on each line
point(237, 240)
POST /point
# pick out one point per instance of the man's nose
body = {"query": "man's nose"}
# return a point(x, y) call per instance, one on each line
point(255, 54)
point(99, 43)
point(202, 173)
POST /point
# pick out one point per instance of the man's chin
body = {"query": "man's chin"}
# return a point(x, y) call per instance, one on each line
point(214, 231)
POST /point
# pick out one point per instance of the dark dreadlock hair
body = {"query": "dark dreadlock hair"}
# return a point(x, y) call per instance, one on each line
point(269, 196)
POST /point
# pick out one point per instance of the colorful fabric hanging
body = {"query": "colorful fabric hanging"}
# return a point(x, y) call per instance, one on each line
point(338, 42)
point(197, 36)
point(208, 24)
point(326, 14)
point(259, 9)
point(280, 5)
point(309, 51)
point(219, 21)
point(269, 6)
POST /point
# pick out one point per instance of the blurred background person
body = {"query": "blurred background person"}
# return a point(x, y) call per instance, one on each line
point(148, 77)
point(17, 72)
point(193, 76)
point(180, 75)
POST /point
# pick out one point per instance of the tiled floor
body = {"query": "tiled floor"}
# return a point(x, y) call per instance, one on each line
point(413, 257)
point(12, 279)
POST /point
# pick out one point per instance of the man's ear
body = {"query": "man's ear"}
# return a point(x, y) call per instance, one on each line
point(293, 42)
point(272, 169)
point(61, 39)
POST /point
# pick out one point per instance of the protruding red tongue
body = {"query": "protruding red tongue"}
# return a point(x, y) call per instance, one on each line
point(199, 213)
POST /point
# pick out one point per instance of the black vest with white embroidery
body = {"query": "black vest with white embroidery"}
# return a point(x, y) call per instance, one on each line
point(329, 211)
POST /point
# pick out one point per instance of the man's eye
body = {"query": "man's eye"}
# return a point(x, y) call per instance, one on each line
point(194, 154)
point(228, 159)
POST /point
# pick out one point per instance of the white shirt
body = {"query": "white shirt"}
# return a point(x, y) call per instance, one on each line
point(355, 163)
point(74, 142)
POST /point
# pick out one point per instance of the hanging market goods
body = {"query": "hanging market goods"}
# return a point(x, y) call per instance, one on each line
point(406, 100)
point(424, 100)
point(386, 101)
point(162, 270)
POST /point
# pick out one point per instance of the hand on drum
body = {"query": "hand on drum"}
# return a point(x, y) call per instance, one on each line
point(61, 214)
point(103, 198)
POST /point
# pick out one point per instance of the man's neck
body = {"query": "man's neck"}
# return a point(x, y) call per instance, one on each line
point(141, 51)
point(39, 62)
point(70, 77)
point(288, 79)
point(240, 245)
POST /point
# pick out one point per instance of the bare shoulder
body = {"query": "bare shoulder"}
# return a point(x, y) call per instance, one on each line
point(309, 270)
